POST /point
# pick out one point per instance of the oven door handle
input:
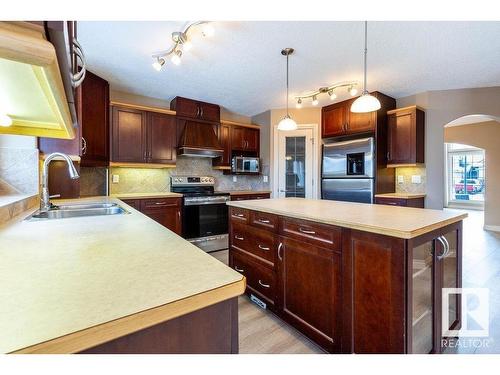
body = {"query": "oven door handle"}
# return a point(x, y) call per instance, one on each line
point(198, 203)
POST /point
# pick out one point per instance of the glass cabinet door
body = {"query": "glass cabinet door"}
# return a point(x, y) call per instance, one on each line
point(422, 298)
point(449, 278)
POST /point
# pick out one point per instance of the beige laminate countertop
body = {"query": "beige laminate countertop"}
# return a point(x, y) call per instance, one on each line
point(70, 284)
point(245, 192)
point(402, 222)
point(146, 195)
point(400, 195)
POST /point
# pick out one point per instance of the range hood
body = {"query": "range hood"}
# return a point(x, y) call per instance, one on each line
point(199, 140)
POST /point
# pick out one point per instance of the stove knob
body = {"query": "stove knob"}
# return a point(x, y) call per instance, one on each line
point(211, 180)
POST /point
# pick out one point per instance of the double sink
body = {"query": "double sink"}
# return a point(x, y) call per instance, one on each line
point(79, 210)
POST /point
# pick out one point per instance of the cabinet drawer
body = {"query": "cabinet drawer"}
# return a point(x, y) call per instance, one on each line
point(260, 280)
point(314, 233)
point(261, 244)
point(239, 215)
point(391, 201)
point(158, 203)
point(264, 220)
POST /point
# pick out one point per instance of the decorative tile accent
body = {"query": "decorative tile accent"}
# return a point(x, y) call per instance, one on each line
point(19, 168)
point(93, 181)
point(143, 180)
point(408, 186)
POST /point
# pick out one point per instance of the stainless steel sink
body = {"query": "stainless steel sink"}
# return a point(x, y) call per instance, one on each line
point(79, 210)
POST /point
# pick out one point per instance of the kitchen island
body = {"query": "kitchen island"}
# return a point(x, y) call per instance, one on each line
point(355, 278)
point(112, 284)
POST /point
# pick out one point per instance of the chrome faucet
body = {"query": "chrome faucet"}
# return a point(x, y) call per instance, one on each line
point(45, 204)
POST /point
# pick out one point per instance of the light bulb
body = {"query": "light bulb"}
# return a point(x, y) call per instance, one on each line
point(299, 103)
point(333, 96)
point(365, 103)
point(207, 30)
point(157, 65)
point(315, 100)
point(176, 57)
point(353, 91)
point(187, 45)
point(287, 124)
point(5, 120)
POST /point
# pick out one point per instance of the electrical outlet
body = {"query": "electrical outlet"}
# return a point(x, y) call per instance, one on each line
point(235, 179)
point(416, 179)
point(115, 178)
point(265, 178)
point(401, 179)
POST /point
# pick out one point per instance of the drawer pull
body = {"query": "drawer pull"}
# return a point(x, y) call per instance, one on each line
point(238, 237)
point(239, 270)
point(239, 215)
point(160, 203)
point(264, 285)
point(305, 231)
point(279, 251)
point(263, 248)
point(264, 221)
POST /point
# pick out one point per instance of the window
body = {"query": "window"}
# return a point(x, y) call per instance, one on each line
point(466, 175)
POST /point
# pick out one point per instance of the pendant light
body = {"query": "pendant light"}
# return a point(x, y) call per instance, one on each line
point(366, 102)
point(287, 123)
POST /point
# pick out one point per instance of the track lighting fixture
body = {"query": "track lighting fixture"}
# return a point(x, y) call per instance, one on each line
point(330, 90)
point(181, 43)
point(299, 103)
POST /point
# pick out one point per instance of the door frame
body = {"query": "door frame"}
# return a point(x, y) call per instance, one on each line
point(315, 161)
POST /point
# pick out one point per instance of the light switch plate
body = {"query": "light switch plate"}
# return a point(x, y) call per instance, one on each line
point(416, 179)
point(115, 178)
point(235, 179)
point(265, 178)
point(401, 179)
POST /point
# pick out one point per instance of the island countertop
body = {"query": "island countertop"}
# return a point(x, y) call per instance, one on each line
point(70, 284)
point(401, 222)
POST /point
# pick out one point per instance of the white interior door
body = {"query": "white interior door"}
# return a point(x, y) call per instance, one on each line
point(295, 163)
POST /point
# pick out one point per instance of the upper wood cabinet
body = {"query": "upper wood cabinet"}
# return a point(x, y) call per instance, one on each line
point(245, 139)
point(406, 136)
point(142, 137)
point(91, 142)
point(224, 137)
point(338, 120)
point(194, 109)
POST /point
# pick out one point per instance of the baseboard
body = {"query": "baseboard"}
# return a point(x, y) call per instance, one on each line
point(493, 228)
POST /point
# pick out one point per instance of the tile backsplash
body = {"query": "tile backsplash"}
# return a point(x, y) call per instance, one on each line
point(19, 169)
point(144, 180)
point(408, 186)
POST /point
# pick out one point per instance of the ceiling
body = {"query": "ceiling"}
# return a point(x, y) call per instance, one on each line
point(241, 68)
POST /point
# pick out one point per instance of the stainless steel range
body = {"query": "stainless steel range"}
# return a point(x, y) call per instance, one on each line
point(204, 212)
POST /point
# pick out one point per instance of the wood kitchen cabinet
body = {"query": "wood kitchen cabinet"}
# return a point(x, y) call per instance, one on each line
point(142, 137)
point(245, 139)
point(166, 211)
point(193, 109)
point(246, 196)
point(417, 202)
point(338, 120)
point(224, 137)
point(406, 136)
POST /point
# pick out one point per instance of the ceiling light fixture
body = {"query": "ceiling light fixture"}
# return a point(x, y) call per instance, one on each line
point(366, 102)
point(5, 120)
point(330, 90)
point(299, 103)
point(287, 123)
point(181, 42)
point(353, 91)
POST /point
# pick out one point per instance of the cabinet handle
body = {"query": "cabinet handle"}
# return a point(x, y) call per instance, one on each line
point(239, 270)
point(239, 215)
point(263, 248)
point(264, 221)
point(84, 146)
point(238, 237)
point(447, 246)
point(391, 203)
point(160, 203)
point(201, 111)
point(305, 231)
point(440, 239)
point(77, 78)
point(264, 285)
point(388, 155)
point(279, 251)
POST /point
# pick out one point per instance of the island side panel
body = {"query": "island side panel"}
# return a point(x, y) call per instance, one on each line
point(211, 330)
point(374, 280)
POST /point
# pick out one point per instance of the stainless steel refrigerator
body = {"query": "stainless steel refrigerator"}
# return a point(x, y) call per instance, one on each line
point(347, 170)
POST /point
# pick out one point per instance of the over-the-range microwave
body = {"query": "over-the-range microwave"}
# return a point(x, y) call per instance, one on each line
point(244, 164)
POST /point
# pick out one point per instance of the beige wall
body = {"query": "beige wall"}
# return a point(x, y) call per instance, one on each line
point(484, 135)
point(441, 107)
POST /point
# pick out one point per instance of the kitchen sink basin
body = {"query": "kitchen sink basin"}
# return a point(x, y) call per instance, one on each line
point(79, 210)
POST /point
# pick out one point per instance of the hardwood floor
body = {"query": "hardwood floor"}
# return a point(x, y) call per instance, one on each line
point(262, 332)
